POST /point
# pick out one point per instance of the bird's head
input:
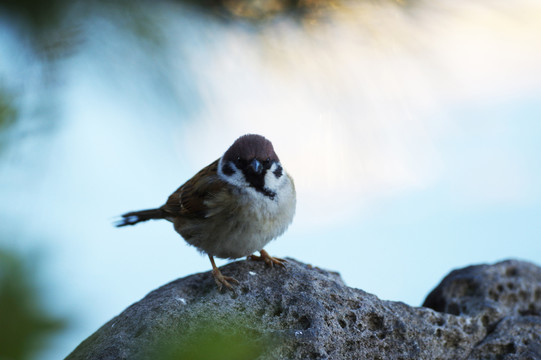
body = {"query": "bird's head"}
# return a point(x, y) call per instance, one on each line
point(252, 163)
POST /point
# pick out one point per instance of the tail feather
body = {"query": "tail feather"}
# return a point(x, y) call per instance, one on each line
point(135, 217)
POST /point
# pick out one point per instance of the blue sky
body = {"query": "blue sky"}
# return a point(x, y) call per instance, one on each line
point(415, 149)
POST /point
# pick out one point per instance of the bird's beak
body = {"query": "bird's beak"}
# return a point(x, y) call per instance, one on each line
point(256, 166)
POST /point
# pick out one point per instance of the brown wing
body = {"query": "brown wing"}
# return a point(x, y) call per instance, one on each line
point(189, 199)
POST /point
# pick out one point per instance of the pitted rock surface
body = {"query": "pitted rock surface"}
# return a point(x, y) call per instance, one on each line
point(302, 312)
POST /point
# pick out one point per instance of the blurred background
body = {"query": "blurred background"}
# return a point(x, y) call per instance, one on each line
point(412, 129)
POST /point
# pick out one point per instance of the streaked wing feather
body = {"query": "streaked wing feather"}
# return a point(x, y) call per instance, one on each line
point(190, 199)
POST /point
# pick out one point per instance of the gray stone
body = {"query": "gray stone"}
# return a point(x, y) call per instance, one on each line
point(302, 312)
point(506, 297)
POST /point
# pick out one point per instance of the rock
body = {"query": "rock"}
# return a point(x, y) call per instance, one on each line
point(302, 312)
point(506, 297)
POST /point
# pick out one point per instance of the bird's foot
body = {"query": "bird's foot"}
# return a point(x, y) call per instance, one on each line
point(269, 260)
point(222, 280)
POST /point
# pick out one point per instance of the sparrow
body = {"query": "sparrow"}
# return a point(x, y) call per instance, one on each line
point(231, 208)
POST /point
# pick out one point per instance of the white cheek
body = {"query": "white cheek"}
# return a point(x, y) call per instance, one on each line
point(271, 181)
point(237, 178)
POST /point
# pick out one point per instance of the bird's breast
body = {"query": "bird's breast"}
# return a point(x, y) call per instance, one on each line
point(240, 221)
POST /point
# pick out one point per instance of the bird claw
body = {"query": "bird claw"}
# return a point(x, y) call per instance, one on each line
point(222, 280)
point(269, 260)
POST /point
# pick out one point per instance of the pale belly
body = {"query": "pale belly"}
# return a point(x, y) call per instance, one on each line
point(240, 230)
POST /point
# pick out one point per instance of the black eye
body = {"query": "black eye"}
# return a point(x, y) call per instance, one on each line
point(267, 163)
point(240, 163)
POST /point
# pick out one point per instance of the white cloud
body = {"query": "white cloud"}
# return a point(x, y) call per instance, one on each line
point(355, 106)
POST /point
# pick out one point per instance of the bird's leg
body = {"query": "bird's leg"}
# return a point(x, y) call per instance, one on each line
point(221, 279)
point(269, 260)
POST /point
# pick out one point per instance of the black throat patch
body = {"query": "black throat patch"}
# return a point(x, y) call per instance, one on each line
point(257, 181)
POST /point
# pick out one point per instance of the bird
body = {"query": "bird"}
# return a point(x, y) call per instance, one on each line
point(232, 207)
